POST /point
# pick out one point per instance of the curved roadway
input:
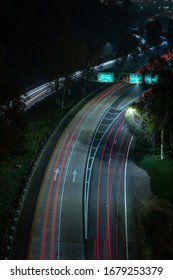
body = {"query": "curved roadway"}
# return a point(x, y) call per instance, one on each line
point(85, 204)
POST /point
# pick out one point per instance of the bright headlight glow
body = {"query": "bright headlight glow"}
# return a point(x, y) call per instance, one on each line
point(131, 111)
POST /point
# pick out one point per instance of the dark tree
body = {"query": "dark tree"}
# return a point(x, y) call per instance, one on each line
point(67, 55)
point(153, 32)
point(11, 105)
point(170, 33)
point(124, 49)
point(11, 124)
point(158, 106)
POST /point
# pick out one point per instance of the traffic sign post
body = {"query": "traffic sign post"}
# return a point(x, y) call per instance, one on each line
point(150, 80)
point(105, 77)
point(135, 78)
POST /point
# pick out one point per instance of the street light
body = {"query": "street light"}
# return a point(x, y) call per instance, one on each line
point(133, 117)
point(130, 111)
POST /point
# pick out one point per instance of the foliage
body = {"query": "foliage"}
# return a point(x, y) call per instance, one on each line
point(160, 102)
point(123, 49)
point(153, 32)
point(154, 111)
point(170, 33)
point(140, 121)
point(161, 173)
point(40, 120)
point(11, 110)
point(68, 54)
point(11, 104)
point(157, 220)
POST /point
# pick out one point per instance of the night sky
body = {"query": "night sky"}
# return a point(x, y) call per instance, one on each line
point(28, 27)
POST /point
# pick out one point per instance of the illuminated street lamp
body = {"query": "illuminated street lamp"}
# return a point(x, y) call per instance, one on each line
point(130, 111)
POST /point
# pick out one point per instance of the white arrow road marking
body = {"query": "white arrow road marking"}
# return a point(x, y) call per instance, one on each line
point(62, 195)
point(56, 174)
point(74, 175)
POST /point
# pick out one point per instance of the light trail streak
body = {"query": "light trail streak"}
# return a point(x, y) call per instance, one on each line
point(98, 187)
point(62, 195)
point(46, 215)
point(107, 250)
point(109, 189)
point(55, 204)
point(44, 233)
point(89, 169)
point(119, 187)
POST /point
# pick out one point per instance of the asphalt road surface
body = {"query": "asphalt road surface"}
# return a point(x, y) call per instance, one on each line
point(84, 208)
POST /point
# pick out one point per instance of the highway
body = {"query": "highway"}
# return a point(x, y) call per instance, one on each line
point(39, 93)
point(84, 208)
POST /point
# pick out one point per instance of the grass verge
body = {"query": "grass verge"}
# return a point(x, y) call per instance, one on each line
point(155, 218)
point(161, 172)
point(14, 173)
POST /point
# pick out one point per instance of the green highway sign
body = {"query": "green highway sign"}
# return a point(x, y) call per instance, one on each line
point(149, 79)
point(135, 78)
point(105, 77)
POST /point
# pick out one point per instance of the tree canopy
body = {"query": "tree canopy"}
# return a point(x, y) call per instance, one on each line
point(153, 32)
point(154, 110)
point(11, 109)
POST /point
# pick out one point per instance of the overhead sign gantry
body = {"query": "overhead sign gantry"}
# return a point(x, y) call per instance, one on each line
point(109, 77)
point(105, 77)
